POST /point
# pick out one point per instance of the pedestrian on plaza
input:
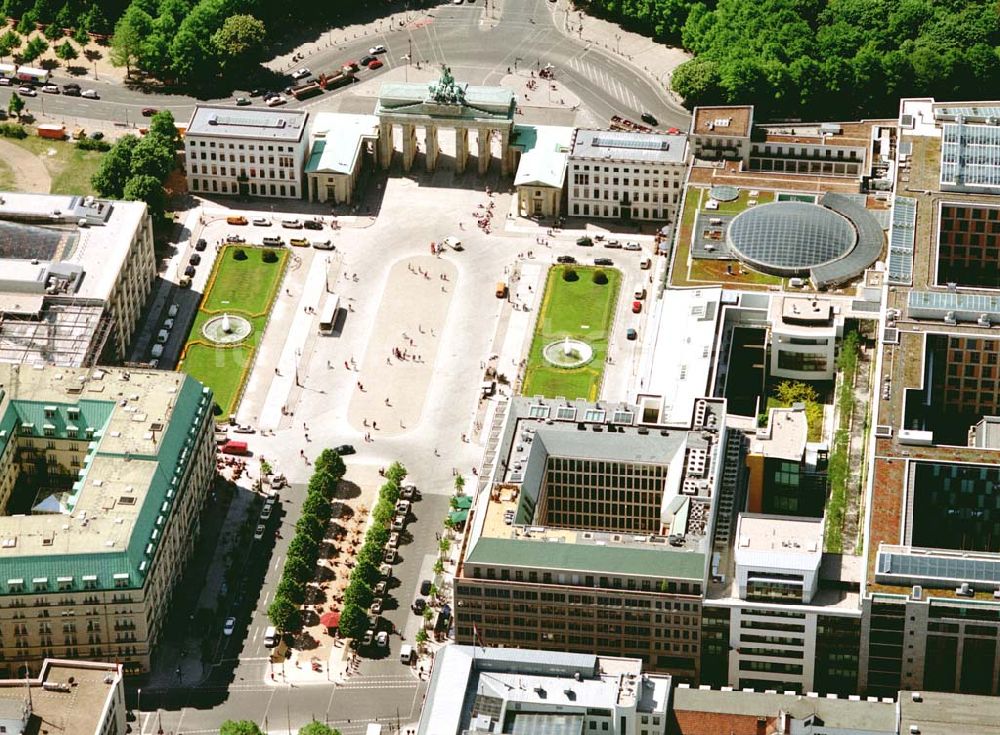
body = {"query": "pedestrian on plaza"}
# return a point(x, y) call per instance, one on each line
point(346, 366)
point(276, 371)
point(328, 365)
point(387, 402)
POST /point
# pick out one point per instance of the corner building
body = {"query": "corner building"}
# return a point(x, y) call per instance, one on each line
point(103, 476)
point(594, 535)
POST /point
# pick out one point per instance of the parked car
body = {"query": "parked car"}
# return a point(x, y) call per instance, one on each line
point(454, 243)
point(565, 259)
point(90, 94)
point(235, 239)
point(313, 224)
point(273, 242)
point(292, 224)
point(366, 60)
point(377, 49)
point(418, 606)
point(382, 639)
point(408, 492)
point(189, 271)
point(299, 242)
point(380, 588)
point(636, 307)
point(376, 64)
point(352, 65)
point(301, 73)
point(368, 638)
point(376, 608)
point(6, 82)
point(613, 244)
point(236, 220)
point(162, 336)
point(195, 259)
point(229, 627)
point(399, 523)
point(27, 91)
point(425, 587)
point(276, 100)
point(265, 513)
point(256, 92)
point(390, 556)
point(149, 111)
point(96, 135)
point(632, 245)
point(243, 101)
point(603, 261)
point(584, 241)
point(259, 533)
point(50, 89)
point(323, 244)
point(201, 244)
point(648, 118)
point(344, 449)
point(168, 324)
point(262, 222)
point(631, 334)
point(243, 429)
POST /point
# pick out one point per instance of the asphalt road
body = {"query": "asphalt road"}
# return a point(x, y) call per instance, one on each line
point(524, 34)
point(382, 689)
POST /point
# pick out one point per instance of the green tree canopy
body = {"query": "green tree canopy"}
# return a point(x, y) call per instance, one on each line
point(331, 463)
point(146, 188)
point(396, 473)
point(318, 728)
point(8, 42)
point(240, 38)
point(290, 587)
point(284, 614)
point(311, 526)
point(353, 621)
point(298, 570)
point(115, 169)
point(67, 51)
point(358, 593)
point(15, 104)
point(34, 48)
point(130, 34)
point(318, 506)
point(240, 727)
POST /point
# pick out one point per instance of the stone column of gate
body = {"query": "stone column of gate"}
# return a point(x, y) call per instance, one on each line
point(385, 144)
point(483, 136)
point(433, 148)
point(505, 153)
point(461, 148)
point(409, 145)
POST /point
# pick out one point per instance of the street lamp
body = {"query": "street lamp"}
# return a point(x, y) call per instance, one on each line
point(328, 274)
point(298, 354)
point(138, 704)
point(618, 42)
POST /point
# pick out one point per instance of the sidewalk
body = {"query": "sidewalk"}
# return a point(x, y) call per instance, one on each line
point(656, 60)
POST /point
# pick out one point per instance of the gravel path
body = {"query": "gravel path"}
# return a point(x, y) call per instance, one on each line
point(30, 174)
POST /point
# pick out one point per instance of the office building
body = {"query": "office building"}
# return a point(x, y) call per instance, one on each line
point(722, 132)
point(75, 274)
point(103, 477)
point(629, 176)
point(341, 154)
point(78, 697)
point(478, 689)
point(827, 149)
point(592, 534)
point(805, 333)
point(243, 151)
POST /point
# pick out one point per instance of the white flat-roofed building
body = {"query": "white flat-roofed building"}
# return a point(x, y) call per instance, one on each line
point(542, 152)
point(778, 557)
point(638, 176)
point(478, 689)
point(804, 334)
point(75, 274)
point(246, 151)
point(340, 147)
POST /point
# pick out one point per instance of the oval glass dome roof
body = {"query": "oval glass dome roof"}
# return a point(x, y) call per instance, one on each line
point(790, 237)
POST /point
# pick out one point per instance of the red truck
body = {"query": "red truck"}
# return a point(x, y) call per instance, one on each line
point(305, 91)
point(56, 132)
point(339, 79)
point(233, 447)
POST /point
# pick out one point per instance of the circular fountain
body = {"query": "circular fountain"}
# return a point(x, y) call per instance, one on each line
point(568, 353)
point(226, 329)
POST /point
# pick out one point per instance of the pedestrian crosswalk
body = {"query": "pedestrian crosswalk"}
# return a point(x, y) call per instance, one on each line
point(602, 79)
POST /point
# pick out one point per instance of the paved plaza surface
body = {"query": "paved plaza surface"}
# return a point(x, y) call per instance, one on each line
point(302, 398)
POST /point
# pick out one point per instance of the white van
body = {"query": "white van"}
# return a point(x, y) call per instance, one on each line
point(156, 350)
point(163, 336)
point(172, 311)
point(406, 654)
point(270, 637)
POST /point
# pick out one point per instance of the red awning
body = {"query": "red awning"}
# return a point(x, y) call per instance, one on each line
point(330, 619)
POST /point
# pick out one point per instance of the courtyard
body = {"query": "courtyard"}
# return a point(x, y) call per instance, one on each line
point(579, 304)
point(234, 313)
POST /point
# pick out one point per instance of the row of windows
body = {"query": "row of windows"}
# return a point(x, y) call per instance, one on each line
point(780, 150)
point(286, 161)
point(241, 146)
point(225, 187)
point(575, 166)
point(244, 173)
point(587, 180)
point(637, 212)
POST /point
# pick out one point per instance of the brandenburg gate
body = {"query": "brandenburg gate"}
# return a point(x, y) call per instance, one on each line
point(445, 103)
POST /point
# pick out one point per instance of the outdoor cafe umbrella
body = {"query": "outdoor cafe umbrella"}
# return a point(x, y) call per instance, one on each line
point(330, 620)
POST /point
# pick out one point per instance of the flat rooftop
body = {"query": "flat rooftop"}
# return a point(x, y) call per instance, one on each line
point(337, 139)
point(135, 432)
point(248, 123)
point(544, 152)
point(941, 713)
point(784, 437)
point(848, 715)
point(809, 311)
point(795, 541)
point(722, 121)
point(846, 135)
point(616, 145)
point(77, 708)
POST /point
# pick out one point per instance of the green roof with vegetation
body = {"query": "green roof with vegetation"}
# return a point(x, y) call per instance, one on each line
point(591, 558)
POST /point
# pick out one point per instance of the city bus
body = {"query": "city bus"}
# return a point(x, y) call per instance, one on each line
point(328, 318)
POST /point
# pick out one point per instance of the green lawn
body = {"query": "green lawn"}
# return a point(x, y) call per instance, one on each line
point(580, 309)
point(243, 287)
point(6, 177)
point(69, 167)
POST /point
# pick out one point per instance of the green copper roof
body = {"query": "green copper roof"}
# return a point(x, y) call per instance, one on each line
point(588, 558)
point(174, 453)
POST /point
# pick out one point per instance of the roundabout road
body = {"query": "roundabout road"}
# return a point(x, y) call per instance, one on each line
point(523, 34)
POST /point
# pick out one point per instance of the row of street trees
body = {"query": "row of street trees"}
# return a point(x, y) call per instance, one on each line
point(248, 727)
point(135, 168)
point(359, 595)
point(303, 551)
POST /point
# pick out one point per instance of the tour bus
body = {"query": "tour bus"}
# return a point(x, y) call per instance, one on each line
point(329, 316)
point(31, 74)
